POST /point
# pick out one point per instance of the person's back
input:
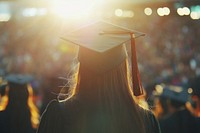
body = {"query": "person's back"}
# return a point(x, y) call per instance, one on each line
point(18, 122)
point(74, 117)
point(179, 122)
point(99, 108)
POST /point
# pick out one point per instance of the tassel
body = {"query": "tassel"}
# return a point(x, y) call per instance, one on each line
point(137, 85)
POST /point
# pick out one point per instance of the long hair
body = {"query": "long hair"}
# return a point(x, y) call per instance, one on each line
point(18, 102)
point(110, 97)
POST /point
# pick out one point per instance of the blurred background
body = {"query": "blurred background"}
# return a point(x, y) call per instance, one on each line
point(30, 41)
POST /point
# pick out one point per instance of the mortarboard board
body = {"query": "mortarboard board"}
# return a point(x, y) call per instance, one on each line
point(19, 79)
point(101, 48)
point(176, 93)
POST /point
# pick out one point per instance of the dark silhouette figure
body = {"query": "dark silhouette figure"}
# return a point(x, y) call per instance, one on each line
point(178, 119)
point(18, 114)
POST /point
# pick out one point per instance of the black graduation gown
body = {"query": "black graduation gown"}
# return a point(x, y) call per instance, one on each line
point(197, 120)
point(20, 125)
point(179, 122)
point(58, 118)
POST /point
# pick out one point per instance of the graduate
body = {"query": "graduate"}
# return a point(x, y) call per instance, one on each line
point(178, 118)
point(101, 97)
point(18, 113)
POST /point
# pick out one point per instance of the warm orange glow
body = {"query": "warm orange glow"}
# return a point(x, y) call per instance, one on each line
point(33, 109)
point(4, 101)
point(158, 110)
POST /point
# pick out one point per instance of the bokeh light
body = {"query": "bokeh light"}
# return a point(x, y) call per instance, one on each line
point(195, 15)
point(190, 90)
point(195, 12)
point(118, 12)
point(183, 11)
point(160, 12)
point(124, 13)
point(163, 11)
point(180, 11)
point(29, 12)
point(5, 12)
point(186, 10)
point(148, 11)
point(4, 17)
point(159, 89)
point(166, 11)
point(128, 14)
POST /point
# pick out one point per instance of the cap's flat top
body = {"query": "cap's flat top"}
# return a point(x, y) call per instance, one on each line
point(101, 36)
point(19, 78)
point(176, 93)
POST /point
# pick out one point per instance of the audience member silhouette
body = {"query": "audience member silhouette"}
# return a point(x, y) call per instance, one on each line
point(18, 114)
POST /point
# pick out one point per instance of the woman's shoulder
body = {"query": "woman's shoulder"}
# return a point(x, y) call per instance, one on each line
point(56, 113)
point(56, 108)
point(69, 104)
point(56, 105)
point(145, 112)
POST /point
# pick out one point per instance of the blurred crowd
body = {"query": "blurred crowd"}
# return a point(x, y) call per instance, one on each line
point(168, 52)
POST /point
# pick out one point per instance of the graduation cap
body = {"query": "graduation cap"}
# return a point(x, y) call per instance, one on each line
point(19, 79)
point(101, 48)
point(176, 93)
